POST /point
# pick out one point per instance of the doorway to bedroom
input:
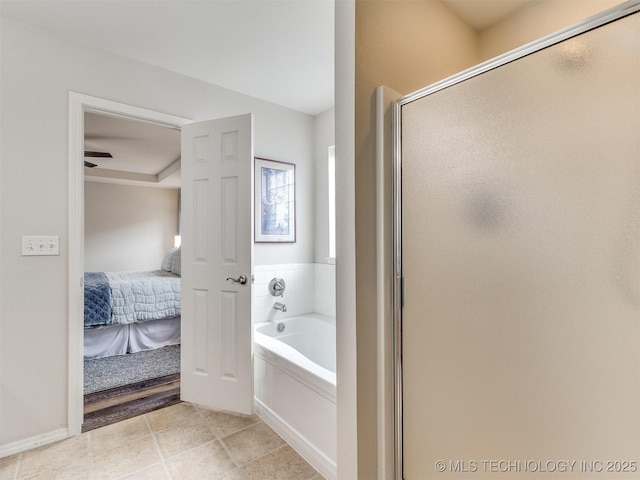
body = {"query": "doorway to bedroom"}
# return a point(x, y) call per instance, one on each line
point(216, 370)
point(132, 261)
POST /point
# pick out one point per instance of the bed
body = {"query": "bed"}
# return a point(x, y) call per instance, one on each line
point(128, 312)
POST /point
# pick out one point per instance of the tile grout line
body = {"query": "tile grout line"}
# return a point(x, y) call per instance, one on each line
point(315, 475)
point(163, 460)
point(285, 444)
point(91, 459)
point(218, 438)
point(15, 473)
point(128, 475)
point(125, 475)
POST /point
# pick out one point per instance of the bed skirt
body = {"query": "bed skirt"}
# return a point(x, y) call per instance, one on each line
point(131, 338)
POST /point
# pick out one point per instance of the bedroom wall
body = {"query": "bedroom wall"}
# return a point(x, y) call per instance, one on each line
point(38, 71)
point(128, 227)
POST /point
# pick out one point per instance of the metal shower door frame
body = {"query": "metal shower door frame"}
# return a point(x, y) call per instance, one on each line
point(624, 9)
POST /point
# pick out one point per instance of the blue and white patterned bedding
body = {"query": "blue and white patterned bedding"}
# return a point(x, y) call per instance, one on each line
point(97, 299)
point(140, 296)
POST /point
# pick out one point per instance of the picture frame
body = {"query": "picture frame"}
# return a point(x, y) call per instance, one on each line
point(275, 201)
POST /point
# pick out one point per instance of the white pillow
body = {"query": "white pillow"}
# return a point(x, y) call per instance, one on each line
point(176, 265)
point(167, 261)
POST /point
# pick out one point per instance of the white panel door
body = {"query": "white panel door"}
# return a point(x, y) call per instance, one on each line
point(217, 250)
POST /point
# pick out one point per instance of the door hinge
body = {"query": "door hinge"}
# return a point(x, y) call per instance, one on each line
point(402, 292)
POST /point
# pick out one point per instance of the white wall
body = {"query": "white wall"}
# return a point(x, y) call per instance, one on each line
point(38, 72)
point(302, 250)
point(127, 227)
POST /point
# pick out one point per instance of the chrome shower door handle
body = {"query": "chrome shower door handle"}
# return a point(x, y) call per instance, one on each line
point(242, 279)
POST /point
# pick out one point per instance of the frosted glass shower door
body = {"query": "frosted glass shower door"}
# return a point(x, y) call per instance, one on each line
point(520, 250)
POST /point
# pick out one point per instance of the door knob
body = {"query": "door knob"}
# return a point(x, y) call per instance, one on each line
point(242, 279)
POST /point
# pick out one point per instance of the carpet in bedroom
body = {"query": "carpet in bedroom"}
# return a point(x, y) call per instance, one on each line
point(110, 372)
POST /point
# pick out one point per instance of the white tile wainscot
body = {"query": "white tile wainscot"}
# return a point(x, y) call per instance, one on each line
point(310, 287)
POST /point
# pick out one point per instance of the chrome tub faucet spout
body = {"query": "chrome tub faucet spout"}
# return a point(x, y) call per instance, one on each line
point(280, 306)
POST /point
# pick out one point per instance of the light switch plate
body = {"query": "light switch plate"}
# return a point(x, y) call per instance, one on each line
point(40, 245)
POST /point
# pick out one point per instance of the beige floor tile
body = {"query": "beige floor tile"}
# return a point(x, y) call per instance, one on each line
point(175, 440)
point(185, 436)
point(111, 436)
point(283, 464)
point(54, 456)
point(130, 457)
point(154, 472)
point(209, 461)
point(236, 474)
point(80, 470)
point(173, 416)
point(252, 443)
point(8, 466)
point(225, 423)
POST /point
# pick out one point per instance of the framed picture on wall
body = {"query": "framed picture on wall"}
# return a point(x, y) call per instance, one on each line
point(275, 197)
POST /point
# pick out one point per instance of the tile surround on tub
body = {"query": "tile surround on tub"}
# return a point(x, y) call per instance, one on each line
point(325, 292)
point(310, 287)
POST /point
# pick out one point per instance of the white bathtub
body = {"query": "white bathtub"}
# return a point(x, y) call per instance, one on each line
point(295, 385)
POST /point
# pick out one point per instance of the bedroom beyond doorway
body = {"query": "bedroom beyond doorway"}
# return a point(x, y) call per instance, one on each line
point(132, 283)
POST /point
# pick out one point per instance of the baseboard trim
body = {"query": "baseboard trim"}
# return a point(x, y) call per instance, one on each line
point(298, 442)
point(33, 442)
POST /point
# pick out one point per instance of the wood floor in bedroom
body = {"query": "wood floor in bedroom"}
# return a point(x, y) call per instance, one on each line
point(117, 404)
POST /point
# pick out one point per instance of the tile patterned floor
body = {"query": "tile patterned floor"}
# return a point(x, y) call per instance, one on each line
point(181, 442)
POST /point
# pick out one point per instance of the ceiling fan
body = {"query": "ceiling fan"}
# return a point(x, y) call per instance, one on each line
point(93, 154)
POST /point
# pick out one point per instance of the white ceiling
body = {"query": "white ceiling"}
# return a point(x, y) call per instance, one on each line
point(281, 51)
point(142, 153)
point(277, 50)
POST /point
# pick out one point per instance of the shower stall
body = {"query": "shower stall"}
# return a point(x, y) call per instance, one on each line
point(517, 268)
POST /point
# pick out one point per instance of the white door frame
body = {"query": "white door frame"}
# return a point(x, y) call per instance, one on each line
point(78, 105)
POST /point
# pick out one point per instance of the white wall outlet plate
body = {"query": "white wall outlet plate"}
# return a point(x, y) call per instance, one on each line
point(40, 245)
